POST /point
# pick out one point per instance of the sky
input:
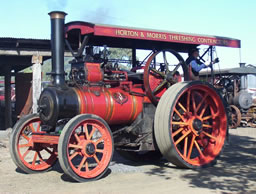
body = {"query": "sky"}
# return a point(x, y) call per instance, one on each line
point(229, 18)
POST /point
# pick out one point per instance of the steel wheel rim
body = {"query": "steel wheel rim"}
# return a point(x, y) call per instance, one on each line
point(43, 155)
point(198, 146)
point(235, 117)
point(79, 144)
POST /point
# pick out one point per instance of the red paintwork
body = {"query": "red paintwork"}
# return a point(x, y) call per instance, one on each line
point(45, 138)
point(142, 34)
point(114, 105)
point(94, 72)
point(27, 146)
point(210, 148)
point(80, 141)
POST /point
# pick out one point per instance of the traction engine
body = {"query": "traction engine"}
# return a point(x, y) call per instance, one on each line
point(144, 116)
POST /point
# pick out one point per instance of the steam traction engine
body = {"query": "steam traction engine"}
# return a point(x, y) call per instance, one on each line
point(143, 115)
point(232, 84)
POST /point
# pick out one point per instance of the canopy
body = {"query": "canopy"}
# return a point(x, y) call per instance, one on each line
point(232, 71)
point(127, 37)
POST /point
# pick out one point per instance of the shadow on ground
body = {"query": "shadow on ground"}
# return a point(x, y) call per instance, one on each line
point(235, 170)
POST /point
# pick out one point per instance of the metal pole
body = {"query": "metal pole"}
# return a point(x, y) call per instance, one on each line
point(243, 78)
point(212, 73)
point(134, 57)
point(7, 96)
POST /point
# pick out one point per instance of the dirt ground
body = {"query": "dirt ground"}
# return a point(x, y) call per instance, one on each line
point(235, 172)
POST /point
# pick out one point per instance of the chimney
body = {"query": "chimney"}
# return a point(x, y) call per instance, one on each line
point(57, 47)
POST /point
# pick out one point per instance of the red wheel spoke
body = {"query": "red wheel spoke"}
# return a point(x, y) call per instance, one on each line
point(96, 159)
point(86, 131)
point(182, 137)
point(92, 132)
point(86, 167)
point(100, 151)
point(99, 140)
point(207, 117)
point(207, 126)
point(178, 113)
point(82, 163)
point(185, 147)
point(26, 153)
point(179, 123)
point(191, 146)
point(24, 145)
point(32, 127)
point(198, 148)
point(188, 100)
point(208, 135)
point(25, 136)
point(77, 138)
point(34, 159)
point(182, 107)
point(73, 155)
point(203, 110)
point(213, 113)
point(74, 146)
point(201, 102)
point(178, 131)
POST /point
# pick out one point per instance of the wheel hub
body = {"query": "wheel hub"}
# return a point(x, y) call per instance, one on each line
point(90, 149)
point(197, 125)
point(169, 76)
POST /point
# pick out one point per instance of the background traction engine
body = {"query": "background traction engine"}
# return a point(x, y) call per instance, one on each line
point(234, 90)
point(146, 116)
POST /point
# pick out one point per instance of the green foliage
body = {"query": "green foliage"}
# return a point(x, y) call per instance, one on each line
point(47, 68)
point(27, 70)
point(120, 53)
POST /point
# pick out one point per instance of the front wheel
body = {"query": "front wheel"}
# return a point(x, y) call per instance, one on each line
point(85, 147)
point(30, 157)
point(190, 124)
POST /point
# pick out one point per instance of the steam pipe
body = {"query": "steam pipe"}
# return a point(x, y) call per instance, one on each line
point(57, 47)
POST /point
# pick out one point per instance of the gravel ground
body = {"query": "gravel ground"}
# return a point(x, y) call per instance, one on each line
point(235, 172)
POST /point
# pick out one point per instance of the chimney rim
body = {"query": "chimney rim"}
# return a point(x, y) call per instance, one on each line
point(57, 14)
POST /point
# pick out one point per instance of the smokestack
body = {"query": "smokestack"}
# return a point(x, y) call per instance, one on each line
point(57, 47)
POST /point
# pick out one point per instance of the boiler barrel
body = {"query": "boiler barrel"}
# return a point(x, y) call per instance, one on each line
point(114, 105)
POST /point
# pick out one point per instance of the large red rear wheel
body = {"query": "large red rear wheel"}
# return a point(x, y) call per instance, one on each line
point(85, 147)
point(190, 124)
point(30, 157)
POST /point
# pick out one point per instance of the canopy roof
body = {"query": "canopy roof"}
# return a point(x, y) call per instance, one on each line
point(232, 71)
point(127, 37)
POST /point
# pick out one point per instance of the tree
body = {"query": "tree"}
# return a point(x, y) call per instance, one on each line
point(122, 54)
